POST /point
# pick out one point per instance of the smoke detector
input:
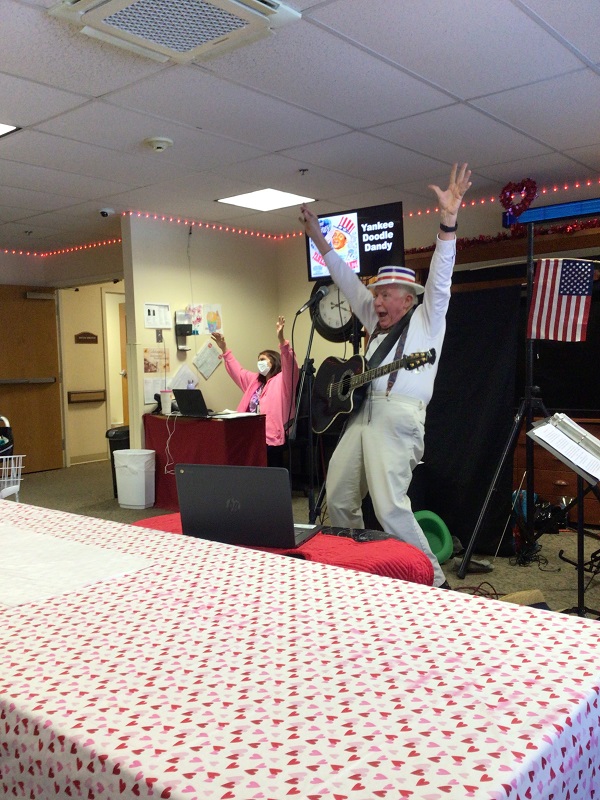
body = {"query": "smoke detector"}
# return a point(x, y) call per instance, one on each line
point(158, 143)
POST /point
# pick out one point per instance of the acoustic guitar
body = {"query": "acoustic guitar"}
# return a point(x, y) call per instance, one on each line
point(339, 386)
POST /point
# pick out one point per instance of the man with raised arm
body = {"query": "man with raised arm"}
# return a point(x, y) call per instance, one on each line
point(383, 441)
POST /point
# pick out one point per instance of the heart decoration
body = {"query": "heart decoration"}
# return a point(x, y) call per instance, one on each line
point(526, 190)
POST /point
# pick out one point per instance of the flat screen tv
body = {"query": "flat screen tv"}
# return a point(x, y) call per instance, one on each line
point(366, 238)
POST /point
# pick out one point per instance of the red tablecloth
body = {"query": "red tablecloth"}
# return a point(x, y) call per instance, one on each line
point(183, 440)
point(387, 557)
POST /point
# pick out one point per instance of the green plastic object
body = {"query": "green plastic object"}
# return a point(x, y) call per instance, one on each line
point(437, 534)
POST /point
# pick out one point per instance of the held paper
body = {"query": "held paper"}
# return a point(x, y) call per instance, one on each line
point(207, 359)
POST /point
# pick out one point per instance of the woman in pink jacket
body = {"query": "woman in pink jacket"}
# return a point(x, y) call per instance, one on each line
point(271, 391)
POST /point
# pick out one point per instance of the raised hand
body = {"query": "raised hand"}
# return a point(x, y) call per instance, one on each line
point(280, 326)
point(219, 339)
point(450, 199)
point(313, 230)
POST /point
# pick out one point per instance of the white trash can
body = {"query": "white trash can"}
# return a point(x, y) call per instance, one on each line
point(135, 477)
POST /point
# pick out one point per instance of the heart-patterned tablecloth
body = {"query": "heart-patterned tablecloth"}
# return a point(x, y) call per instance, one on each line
point(226, 673)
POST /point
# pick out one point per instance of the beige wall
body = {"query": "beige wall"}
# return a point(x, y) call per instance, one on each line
point(93, 265)
point(253, 280)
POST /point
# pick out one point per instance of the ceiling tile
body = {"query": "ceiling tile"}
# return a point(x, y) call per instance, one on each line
point(577, 21)
point(127, 131)
point(469, 49)
point(59, 55)
point(25, 103)
point(194, 97)
point(445, 128)
point(367, 158)
point(309, 67)
point(554, 110)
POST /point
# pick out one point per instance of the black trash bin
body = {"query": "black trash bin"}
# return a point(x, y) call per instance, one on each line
point(118, 439)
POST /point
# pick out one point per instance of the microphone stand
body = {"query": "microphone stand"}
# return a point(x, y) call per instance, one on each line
point(307, 374)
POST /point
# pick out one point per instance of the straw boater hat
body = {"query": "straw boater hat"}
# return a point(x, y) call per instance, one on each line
point(401, 276)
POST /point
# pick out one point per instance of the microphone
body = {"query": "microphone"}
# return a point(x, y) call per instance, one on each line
point(316, 298)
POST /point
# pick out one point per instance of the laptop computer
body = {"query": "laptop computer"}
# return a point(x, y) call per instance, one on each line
point(191, 403)
point(239, 505)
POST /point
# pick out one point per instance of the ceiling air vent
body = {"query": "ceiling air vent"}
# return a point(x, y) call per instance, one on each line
point(180, 30)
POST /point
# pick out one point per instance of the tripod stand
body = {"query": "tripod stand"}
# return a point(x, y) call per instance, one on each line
point(530, 404)
point(531, 401)
point(307, 376)
point(355, 338)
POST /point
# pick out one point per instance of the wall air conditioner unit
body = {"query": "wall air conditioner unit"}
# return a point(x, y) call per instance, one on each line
point(180, 30)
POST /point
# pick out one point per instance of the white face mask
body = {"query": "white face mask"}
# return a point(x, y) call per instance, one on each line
point(263, 367)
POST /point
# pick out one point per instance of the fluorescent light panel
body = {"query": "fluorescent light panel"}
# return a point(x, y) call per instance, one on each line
point(266, 200)
point(5, 129)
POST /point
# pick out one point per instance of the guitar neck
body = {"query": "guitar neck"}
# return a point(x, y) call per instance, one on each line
point(378, 372)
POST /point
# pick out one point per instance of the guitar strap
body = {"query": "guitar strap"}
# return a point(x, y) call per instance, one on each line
point(389, 341)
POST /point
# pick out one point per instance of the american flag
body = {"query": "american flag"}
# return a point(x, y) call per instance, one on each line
point(560, 305)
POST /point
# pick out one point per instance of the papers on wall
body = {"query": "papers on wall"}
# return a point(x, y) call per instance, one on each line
point(156, 361)
point(156, 369)
point(157, 315)
point(571, 444)
point(213, 317)
point(152, 386)
point(207, 359)
point(196, 316)
point(183, 377)
point(206, 318)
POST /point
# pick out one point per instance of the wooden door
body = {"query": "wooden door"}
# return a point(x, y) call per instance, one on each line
point(30, 394)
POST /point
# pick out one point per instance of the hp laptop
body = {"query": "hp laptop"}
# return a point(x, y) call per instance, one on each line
point(239, 505)
point(191, 403)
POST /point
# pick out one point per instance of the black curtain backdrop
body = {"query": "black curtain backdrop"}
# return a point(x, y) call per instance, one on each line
point(470, 418)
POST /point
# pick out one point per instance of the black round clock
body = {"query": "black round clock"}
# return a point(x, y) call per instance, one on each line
point(332, 314)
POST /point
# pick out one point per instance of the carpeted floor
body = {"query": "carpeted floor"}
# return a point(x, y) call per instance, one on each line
point(88, 489)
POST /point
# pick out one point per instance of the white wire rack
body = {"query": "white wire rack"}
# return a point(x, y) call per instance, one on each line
point(11, 468)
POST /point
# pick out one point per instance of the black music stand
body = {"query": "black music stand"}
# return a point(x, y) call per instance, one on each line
point(531, 401)
point(583, 476)
point(593, 565)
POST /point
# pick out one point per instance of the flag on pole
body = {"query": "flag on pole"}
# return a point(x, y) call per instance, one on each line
point(560, 304)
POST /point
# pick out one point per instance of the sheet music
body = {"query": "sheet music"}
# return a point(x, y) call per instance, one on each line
point(565, 446)
point(577, 433)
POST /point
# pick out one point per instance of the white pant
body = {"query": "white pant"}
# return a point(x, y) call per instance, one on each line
point(378, 452)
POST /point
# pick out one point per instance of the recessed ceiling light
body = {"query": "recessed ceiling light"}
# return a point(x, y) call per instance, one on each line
point(6, 129)
point(266, 200)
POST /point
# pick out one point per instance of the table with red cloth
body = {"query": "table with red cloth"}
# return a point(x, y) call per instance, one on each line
point(185, 440)
point(388, 557)
point(227, 673)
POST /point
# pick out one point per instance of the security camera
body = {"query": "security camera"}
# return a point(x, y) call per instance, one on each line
point(106, 212)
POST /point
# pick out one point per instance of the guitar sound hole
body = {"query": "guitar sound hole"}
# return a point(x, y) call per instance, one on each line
point(344, 385)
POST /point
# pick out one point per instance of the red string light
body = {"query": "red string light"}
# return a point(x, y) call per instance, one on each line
point(62, 251)
point(277, 237)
